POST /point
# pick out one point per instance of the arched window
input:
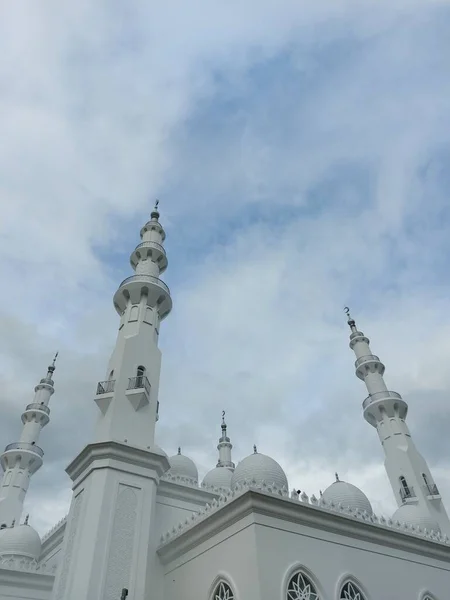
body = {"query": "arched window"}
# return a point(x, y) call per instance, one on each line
point(223, 592)
point(300, 587)
point(140, 373)
point(350, 591)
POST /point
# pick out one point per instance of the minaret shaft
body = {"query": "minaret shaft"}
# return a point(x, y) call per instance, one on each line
point(23, 458)
point(408, 472)
point(110, 537)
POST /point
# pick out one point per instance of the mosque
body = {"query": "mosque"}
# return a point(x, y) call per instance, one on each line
point(141, 527)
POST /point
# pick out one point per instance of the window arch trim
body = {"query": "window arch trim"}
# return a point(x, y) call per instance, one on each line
point(349, 578)
point(225, 578)
point(300, 568)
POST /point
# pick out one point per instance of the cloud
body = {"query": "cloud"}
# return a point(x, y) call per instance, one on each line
point(301, 158)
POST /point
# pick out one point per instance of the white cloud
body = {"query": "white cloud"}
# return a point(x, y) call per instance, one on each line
point(301, 195)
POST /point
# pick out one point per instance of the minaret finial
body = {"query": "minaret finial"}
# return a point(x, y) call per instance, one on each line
point(350, 320)
point(52, 367)
point(255, 449)
point(155, 212)
point(179, 450)
point(337, 476)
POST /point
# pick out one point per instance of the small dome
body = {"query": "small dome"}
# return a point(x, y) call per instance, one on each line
point(259, 468)
point(348, 495)
point(412, 514)
point(22, 540)
point(183, 466)
point(219, 477)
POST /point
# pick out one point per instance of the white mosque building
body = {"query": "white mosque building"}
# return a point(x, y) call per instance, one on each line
point(141, 527)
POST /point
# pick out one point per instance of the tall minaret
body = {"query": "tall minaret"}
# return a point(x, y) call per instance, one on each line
point(224, 447)
point(108, 544)
point(410, 477)
point(23, 458)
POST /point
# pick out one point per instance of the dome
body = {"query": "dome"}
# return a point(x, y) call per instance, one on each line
point(219, 477)
point(22, 540)
point(183, 466)
point(348, 495)
point(412, 514)
point(259, 468)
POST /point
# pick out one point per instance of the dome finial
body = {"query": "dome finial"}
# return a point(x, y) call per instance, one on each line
point(13, 524)
point(179, 450)
point(26, 520)
point(255, 449)
point(337, 476)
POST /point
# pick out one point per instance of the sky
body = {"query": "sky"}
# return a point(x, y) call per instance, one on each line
point(301, 155)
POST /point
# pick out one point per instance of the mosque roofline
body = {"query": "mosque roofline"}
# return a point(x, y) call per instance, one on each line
point(248, 507)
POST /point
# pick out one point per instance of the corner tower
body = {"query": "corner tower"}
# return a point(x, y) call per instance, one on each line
point(408, 472)
point(22, 459)
point(111, 524)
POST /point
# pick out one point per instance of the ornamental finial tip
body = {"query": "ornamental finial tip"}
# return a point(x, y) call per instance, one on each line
point(52, 367)
point(156, 204)
point(223, 417)
point(255, 449)
point(179, 450)
point(350, 320)
point(26, 519)
point(337, 476)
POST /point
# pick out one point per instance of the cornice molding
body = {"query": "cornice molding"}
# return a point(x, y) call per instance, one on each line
point(256, 502)
point(26, 579)
point(178, 491)
point(103, 454)
point(53, 539)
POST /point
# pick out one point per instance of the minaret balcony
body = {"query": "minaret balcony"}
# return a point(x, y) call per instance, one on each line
point(36, 412)
point(407, 494)
point(368, 364)
point(25, 446)
point(138, 391)
point(431, 490)
point(385, 402)
point(104, 394)
point(29, 456)
point(133, 288)
point(150, 251)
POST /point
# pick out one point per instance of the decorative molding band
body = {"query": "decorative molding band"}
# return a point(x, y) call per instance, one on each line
point(271, 501)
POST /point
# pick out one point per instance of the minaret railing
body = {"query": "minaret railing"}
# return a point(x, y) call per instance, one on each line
point(144, 277)
point(407, 492)
point(381, 396)
point(136, 383)
point(431, 489)
point(105, 387)
point(25, 446)
point(37, 406)
point(367, 358)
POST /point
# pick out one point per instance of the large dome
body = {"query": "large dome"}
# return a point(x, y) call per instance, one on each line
point(412, 514)
point(219, 477)
point(22, 540)
point(341, 492)
point(183, 466)
point(259, 468)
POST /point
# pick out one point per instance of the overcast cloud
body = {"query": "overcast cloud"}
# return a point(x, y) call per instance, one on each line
point(301, 154)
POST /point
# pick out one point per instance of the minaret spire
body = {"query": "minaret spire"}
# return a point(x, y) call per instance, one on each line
point(224, 447)
point(408, 472)
point(22, 459)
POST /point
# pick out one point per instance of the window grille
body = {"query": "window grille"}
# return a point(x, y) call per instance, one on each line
point(223, 592)
point(300, 587)
point(351, 592)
